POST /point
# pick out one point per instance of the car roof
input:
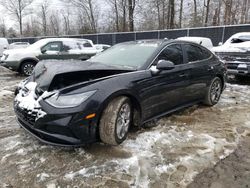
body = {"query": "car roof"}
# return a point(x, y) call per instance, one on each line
point(66, 39)
point(240, 34)
point(193, 38)
point(149, 41)
point(159, 42)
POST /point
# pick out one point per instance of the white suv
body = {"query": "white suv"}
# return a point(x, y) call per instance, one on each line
point(24, 60)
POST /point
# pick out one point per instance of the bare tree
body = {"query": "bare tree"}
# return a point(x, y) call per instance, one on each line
point(180, 13)
point(17, 8)
point(217, 13)
point(131, 9)
point(114, 5)
point(207, 6)
point(228, 11)
point(195, 13)
point(55, 23)
point(66, 21)
point(43, 15)
point(3, 29)
point(244, 12)
point(89, 9)
point(171, 13)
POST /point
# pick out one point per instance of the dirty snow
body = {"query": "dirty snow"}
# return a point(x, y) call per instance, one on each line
point(171, 154)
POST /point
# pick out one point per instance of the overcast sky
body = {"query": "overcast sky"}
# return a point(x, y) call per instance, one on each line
point(54, 5)
point(11, 22)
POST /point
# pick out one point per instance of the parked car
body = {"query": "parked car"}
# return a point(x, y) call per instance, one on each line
point(236, 54)
point(4, 45)
point(73, 103)
point(24, 60)
point(102, 47)
point(206, 42)
point(18, 45)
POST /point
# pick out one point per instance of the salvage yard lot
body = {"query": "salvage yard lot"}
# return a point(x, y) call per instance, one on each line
point(200, 142)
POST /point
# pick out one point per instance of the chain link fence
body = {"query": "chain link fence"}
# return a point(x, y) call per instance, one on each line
point(216, 34)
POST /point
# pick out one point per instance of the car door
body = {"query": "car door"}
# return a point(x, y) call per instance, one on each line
point(164, 90)
point(200, 61)
point(51, 50)
point(74, 50)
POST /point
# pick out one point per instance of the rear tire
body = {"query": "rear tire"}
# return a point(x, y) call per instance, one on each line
point(27, 68)
point(214, 92)
point(115, 121)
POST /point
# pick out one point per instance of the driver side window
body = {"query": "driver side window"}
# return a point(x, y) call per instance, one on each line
point(172, 53)
point(53, 46)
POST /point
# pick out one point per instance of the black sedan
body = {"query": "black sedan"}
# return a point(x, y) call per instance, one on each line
point(74, 102)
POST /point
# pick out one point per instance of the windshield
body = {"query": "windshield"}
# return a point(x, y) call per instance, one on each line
point(131, 55)
point(38, 44)
point(240, 39)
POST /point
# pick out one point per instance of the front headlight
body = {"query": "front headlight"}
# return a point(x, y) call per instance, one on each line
point(69, 101)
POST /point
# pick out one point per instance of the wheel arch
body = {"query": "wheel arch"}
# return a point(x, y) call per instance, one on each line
point(137, 110)
point(33, 60)
point(222, 80)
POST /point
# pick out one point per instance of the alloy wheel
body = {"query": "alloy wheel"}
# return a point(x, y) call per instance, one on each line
point(215, 91)
point(123, 121)
point(28, 69)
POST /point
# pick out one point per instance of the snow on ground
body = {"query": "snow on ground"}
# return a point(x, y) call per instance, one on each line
point(168, 155)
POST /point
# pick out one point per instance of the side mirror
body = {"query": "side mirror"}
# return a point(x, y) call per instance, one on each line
point(220, 44)
point(43, 51)
point(165, 65)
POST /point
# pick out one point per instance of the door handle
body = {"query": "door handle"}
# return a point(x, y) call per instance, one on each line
point(183, 75)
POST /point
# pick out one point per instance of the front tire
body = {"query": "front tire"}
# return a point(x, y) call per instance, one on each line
point(27, 68)
point(214, 92)
point(115, 121)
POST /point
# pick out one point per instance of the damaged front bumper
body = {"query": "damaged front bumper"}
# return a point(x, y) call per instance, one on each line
point(54, 126)
point(62, 130)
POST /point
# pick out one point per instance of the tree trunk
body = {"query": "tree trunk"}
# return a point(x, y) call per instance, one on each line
point(207, 13)
point(180, 14)
point(20, 18)
point(227, 15)
point(131, 7)
point(124, 20)
point(158, 14)
point(116, 16)
point(195, 14)
point(172, 13)
point(93, 22)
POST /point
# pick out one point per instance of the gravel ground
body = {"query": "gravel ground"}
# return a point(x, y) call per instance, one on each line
point(196, 147)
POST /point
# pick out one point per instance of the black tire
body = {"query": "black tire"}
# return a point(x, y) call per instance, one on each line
point(27, 68)
point(111, 119)
point(214, 92)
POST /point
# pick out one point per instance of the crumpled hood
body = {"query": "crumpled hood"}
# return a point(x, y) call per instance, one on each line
point(64, 73)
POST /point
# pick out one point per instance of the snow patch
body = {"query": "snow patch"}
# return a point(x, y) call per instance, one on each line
point(27, 98)
point(42, 177)
point(5, 93)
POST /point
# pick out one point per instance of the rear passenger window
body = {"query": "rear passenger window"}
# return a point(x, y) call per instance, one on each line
point(172, 53)
point(70, 45)
point(195, 53)
point(87, 44)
